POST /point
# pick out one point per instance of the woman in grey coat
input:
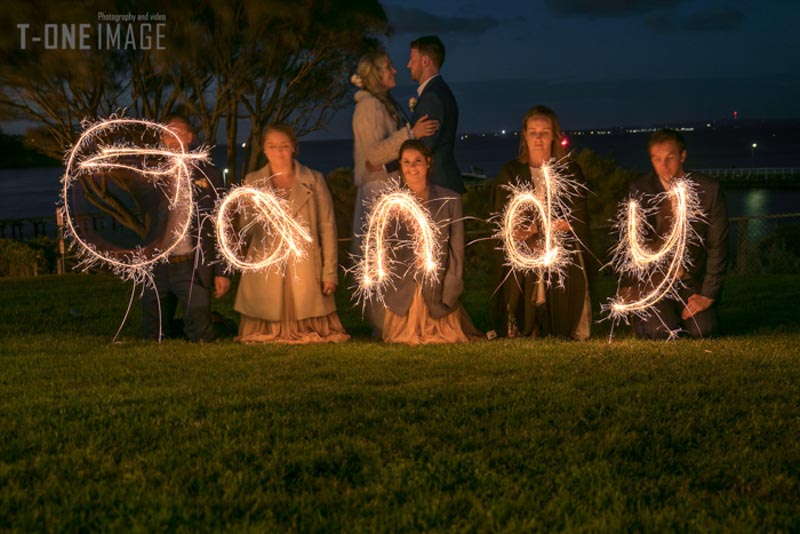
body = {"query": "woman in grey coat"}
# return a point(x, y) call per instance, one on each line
point(419, 310)
point(379, 128)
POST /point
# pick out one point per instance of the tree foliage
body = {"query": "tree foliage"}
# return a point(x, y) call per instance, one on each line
point(261, 61)
point(56, 88)
point(608, 185)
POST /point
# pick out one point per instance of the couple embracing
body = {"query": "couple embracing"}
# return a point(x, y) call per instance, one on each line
point(381, 126)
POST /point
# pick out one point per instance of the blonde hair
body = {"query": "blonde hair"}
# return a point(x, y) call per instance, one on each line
point(556, 150)
point(369, 70)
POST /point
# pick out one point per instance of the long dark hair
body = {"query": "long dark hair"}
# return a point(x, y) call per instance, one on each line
point(422, 148)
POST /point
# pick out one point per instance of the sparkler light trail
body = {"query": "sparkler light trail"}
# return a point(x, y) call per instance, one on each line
point(374, 270)
point(99, 157)
point(658, 270)
point(527, 208)
point(284, 238)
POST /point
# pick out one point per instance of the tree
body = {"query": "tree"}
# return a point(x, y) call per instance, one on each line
point(608, 184)
point(277, 61)
point(262, 61)
point(57, 88)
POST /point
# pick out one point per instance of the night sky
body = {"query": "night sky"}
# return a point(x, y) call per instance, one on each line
point(605, 63)
point(600, 63)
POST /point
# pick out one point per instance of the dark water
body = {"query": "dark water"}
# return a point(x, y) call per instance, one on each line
point(35, 192)
point(708, 147)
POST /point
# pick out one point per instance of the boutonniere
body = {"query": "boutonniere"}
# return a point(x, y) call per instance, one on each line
point(412, 103)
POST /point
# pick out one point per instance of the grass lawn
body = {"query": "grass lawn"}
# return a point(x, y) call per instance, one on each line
point(503, 435)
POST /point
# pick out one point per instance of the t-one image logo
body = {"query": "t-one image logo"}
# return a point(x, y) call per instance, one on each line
point(113, 31)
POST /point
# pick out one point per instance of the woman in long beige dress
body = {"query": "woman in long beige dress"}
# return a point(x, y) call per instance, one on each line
point(428, 311)
point(294, 304)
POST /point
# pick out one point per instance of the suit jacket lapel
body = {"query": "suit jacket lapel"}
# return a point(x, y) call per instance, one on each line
point(432, 84)
point(525, 174)
point(435, 203)
point(521, 173)
point(429, 87)
point(302, 189)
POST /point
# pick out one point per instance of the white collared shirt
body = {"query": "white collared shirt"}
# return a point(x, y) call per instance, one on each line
point(425, 84)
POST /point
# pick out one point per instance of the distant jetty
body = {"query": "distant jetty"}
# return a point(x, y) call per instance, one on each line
point(780, 177)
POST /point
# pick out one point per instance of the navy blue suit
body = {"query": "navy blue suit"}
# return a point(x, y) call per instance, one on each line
point(437, 101)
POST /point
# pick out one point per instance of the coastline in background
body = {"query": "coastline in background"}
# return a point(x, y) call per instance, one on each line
point(34, 192)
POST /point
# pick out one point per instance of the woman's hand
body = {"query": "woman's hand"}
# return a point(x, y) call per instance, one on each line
point(328, 288)
point(373, 168)
point(695, 304)
point(425, 127)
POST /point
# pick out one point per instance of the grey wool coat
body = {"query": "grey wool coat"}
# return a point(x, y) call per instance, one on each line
point(441, 296)
point(262, 294)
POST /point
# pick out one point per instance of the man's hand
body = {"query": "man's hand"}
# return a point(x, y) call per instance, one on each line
point(221, 286)
point(328, 288)
point(373, 168)
point(425, 127)
point(695, 304)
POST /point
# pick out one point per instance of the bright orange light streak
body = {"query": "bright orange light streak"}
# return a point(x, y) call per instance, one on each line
point(178, 167)
point(272, 214)
point(633, 256)
point(374, 271)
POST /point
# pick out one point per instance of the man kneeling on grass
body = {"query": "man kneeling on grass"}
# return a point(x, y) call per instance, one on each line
point(191, 275)
point(695, 312)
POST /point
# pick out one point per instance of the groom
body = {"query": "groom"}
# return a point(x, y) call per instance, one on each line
point(435, 100)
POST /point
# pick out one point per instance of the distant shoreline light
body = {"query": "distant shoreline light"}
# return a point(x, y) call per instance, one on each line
point(504, 133)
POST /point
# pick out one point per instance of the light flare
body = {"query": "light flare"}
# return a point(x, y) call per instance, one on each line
point(634, 258)
point(527, 207)
point(164, 168)
point(375, 271)
point(283, 238)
